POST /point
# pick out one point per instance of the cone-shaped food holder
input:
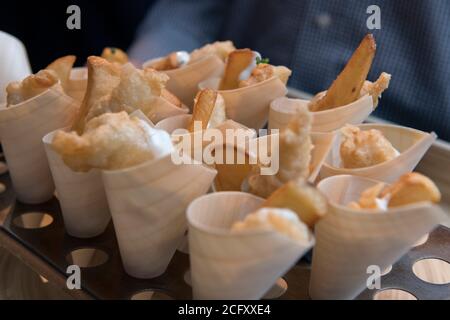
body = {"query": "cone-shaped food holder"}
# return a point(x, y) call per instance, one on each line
point(148, 204)
point(412, 145)
point(22, 128)
point(184, 81)
point(282, 110)
point(226, 265)
point(172, 124)
point(249, 105)
point(322, 143)
point(76, 87)
point(81, 196)
point(14, 64)
point(349, 242)
point(162, 109)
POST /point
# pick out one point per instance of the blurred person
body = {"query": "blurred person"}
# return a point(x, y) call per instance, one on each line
point(315, 38)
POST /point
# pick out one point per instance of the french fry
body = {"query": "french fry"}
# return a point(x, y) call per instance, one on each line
point(203, 108)
point(114, 55)
point(347, 87)
point(62, 67)
point(237, 62)
point(302, 198)
point(103, 77)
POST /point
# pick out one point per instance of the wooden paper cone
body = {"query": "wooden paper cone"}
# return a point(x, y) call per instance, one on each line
point(225, 265)
point(148, 204)
point(249, 105)
point(81, 196)
point(349, 241)
point(22, 128)
point(162, 109)
point(282, 110)
point(14, 64)
point(184, 81)
point(411, 143)
point(76, 87)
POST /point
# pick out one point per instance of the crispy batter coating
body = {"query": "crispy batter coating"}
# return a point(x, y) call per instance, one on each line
point(111, 141)
point(220, 48)
point(295, 147)
point(31, 86)
point(136, 89)
point(63, 67)
point(114, 55)
point(360, 149)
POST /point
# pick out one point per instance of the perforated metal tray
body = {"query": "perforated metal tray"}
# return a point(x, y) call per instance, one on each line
point(48, 251)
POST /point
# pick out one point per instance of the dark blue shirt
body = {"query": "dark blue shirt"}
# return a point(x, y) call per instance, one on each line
point(315, 38)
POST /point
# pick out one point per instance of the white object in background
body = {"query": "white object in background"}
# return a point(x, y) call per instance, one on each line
point(14, 63)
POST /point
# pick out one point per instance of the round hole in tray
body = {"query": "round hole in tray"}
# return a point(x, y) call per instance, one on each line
point(150, 295)
point(277, 290)
point(393, 294)
point(422, 240)
point(87, 257)
point(33, 220)
point(434, 271)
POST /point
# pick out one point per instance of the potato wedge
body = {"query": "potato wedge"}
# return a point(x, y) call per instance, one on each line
point(203, 108)
point(347, 87)
point(237, 62)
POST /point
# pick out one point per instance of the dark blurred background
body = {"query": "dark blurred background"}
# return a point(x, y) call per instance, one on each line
point(41, 26)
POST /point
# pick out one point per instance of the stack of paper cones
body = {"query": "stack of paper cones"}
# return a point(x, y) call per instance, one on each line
point(412, 145)
point(22, 128)
point(184, 81)
point(349, 241)
point(148, 204)
point(249, 105)
point(226, 265)
point(81, 196)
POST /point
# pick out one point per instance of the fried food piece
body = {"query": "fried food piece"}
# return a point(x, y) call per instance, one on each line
point(302, 198)
point(114, 55)
point(63, 67)
point(347, 87)
point(375, 89)
point(31, 86)
point(168, 62)
point(412, 188)
point(103, 77)
point(361, 149)
point(283, 221)
point(263, 72)
point(220, 48)
point(112, 141)
point(295, 147)
point(237, 62)
point(209, 109)
point(136, 89)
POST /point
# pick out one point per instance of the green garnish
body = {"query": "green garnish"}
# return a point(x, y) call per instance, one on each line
point(262, 60)
point(113, 50)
